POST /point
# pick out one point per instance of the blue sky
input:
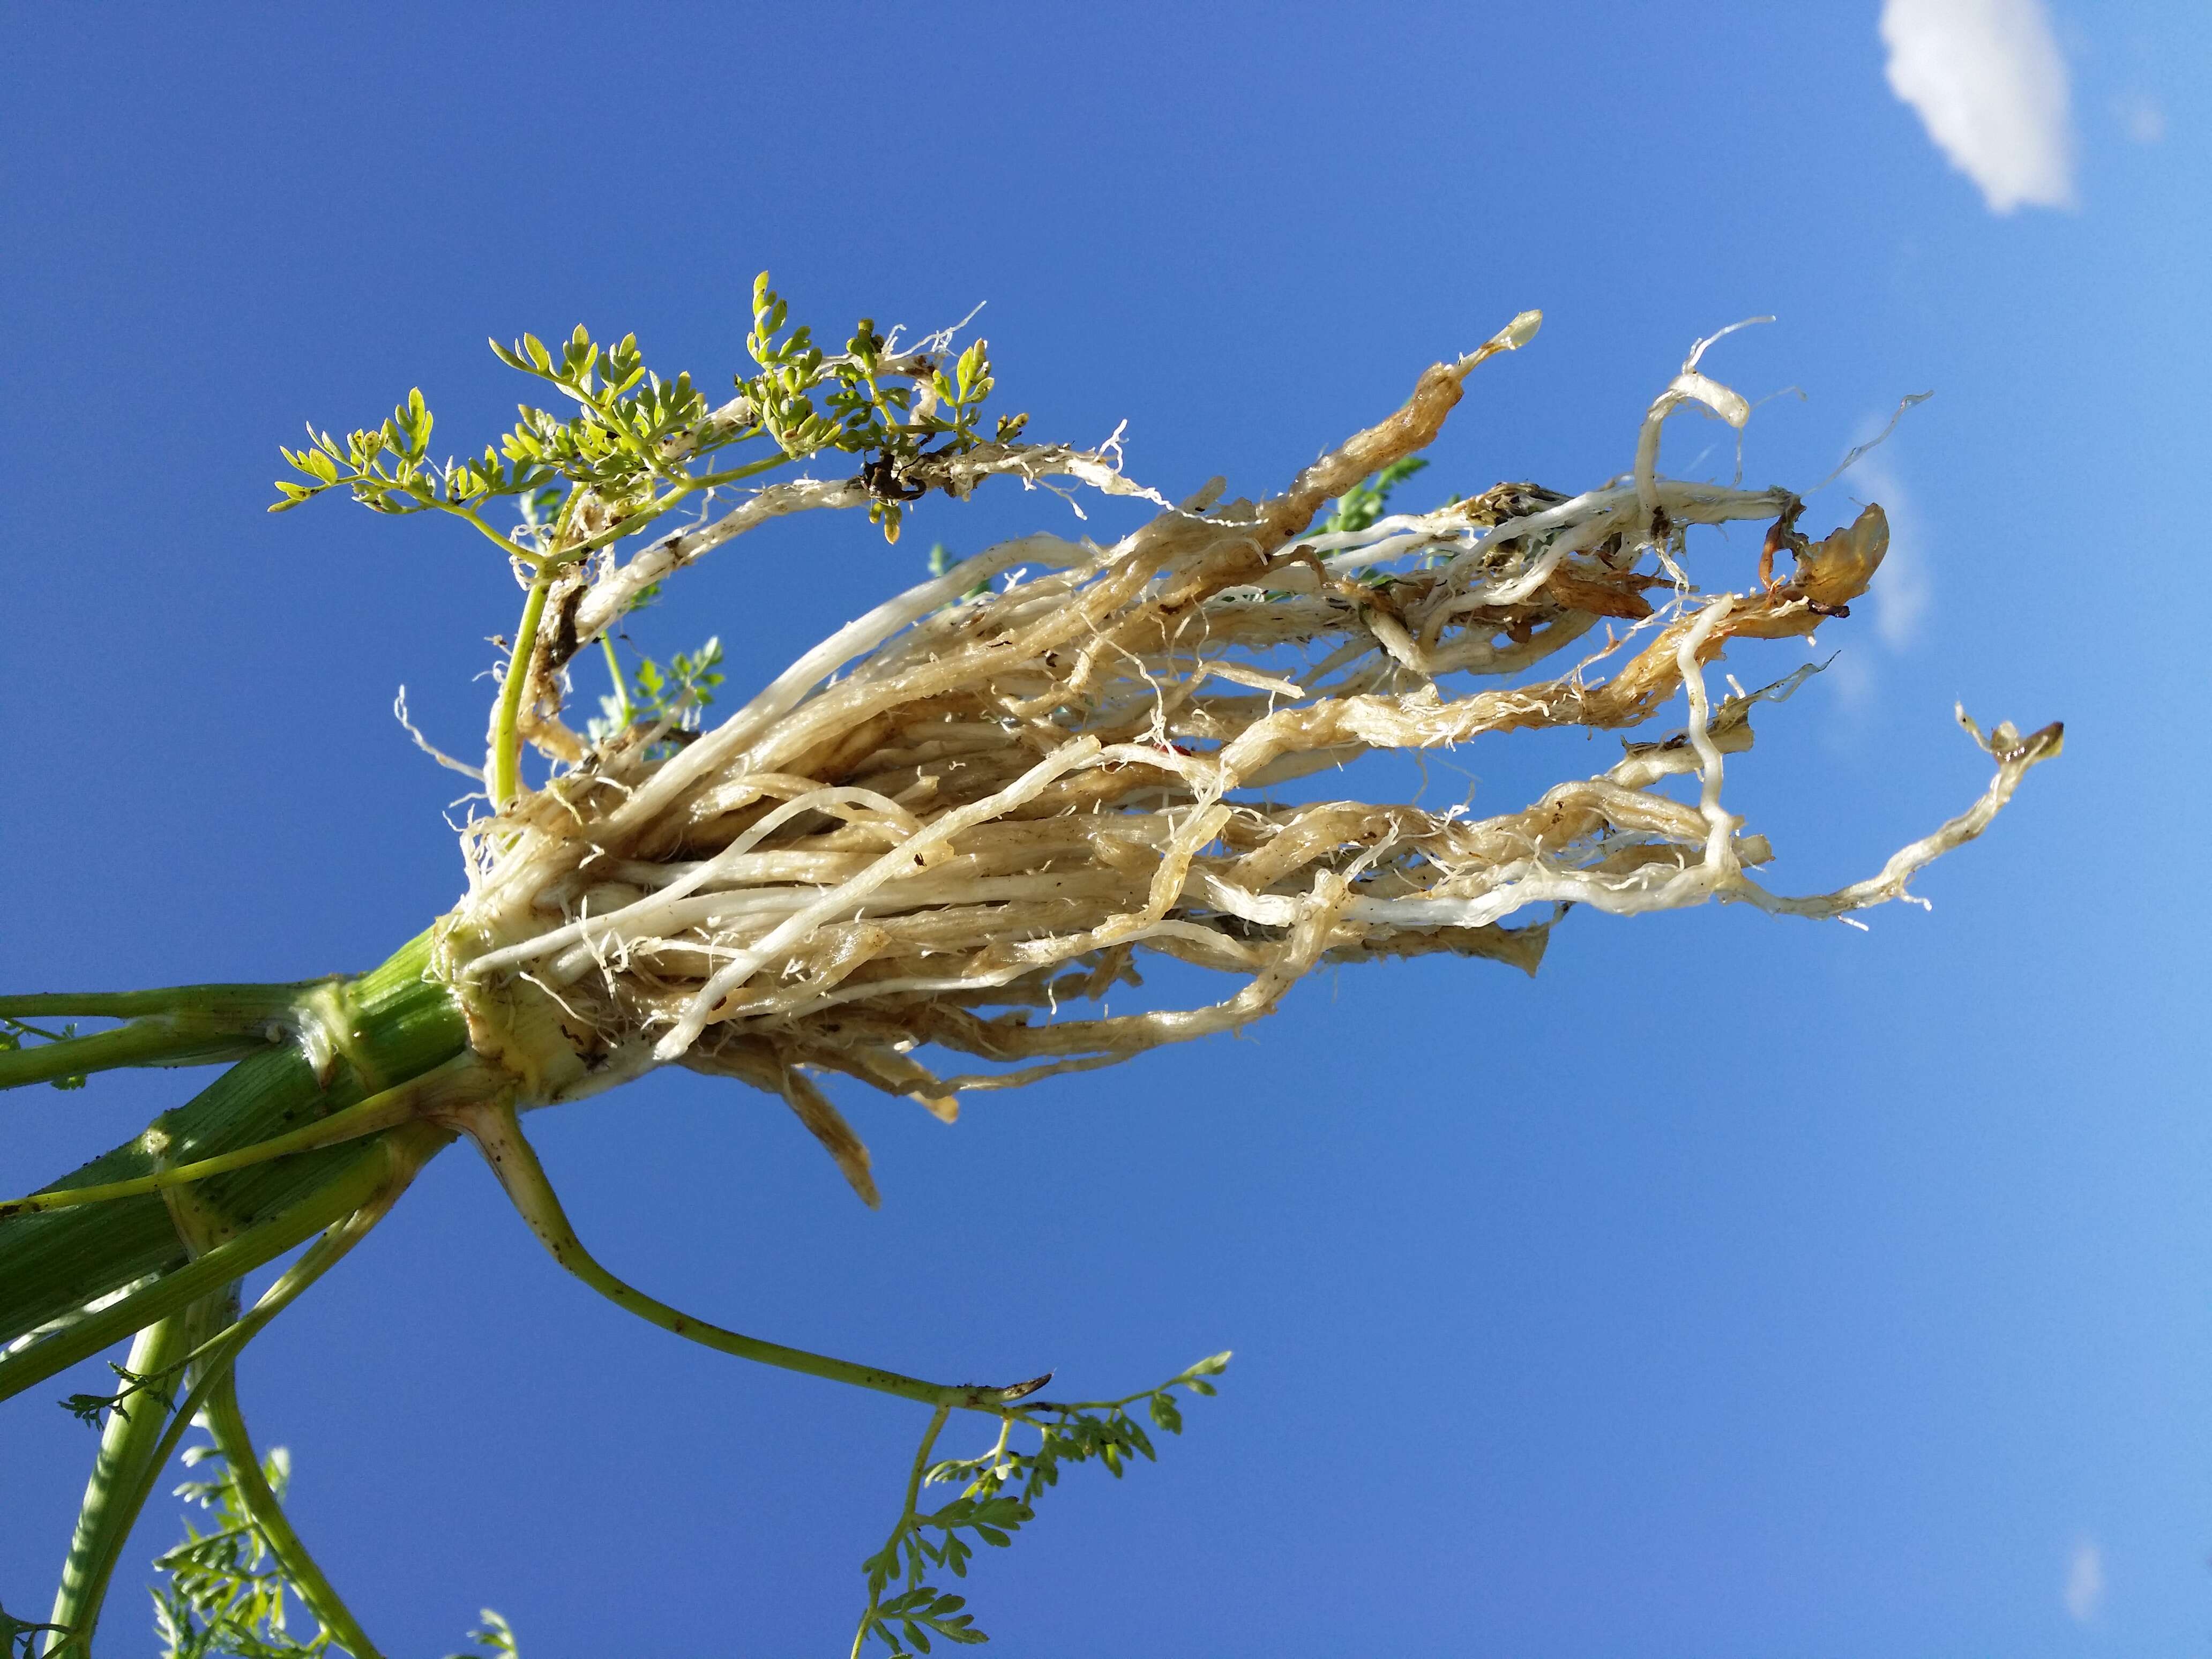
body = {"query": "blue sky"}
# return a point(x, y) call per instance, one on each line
point(1734, 1287)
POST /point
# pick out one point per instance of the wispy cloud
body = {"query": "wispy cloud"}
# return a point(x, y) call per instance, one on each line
point(1905, 592)
point(1849, 676)
point(1989, 83)
point(1899, 601)
point(2142, 117)
point(2085, 1582)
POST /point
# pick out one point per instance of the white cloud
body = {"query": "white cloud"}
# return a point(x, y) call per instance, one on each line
point(1989, 83)
point(2085, 1582)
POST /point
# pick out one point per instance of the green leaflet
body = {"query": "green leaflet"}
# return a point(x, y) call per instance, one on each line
point(999, 1493)
point(227, 1596)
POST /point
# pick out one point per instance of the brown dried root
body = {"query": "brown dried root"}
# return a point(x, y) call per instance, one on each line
point(954, 821)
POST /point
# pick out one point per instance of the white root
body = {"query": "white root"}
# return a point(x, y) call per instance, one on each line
point(957, 822)
point(909, 854)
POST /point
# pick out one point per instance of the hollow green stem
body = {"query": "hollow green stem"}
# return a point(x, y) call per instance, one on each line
point(357, 1185)
point(209, 1363)
point(396, 1024)
point(209, 1366)
point(463, 1075)
point(227, 1425)
point(122, 1474)
point(499, 1137)
point(214, 1356)
point(212, 1359)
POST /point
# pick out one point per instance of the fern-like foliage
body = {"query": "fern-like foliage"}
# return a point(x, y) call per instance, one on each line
point(636, 444)
point(226, 1594)
point(998, 1495)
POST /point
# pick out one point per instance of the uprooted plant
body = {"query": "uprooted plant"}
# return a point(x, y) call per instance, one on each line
point(946, 831)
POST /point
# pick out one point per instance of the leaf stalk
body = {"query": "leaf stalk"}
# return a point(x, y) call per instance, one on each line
point(499, 1137)
point(227, 1425)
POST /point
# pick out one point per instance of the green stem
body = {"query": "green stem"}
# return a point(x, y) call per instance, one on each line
point(506, 545)
point(237, 1006)
point(503, 770)
point(503, 766)
point(212, 1359)
point(906, 1517)
point(163, 1041)
point(393, 1023)
point(736, 474)
point(625, 528)
point(209, 1364)
point(227, 1425)
point(499, 1137)
point(623, 711)
point(463, 1074)
point(184, 1025)
point(396, 1024)
point(121, 1476)
point(323, 1206)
